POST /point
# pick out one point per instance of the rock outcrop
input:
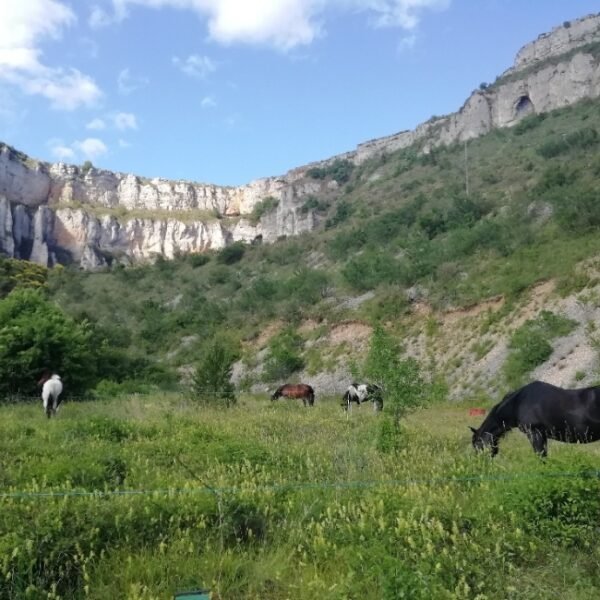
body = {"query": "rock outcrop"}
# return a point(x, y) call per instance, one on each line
point(53, 213)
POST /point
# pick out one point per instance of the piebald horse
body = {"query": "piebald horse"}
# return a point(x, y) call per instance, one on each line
point(363, 392)
point(296, 390)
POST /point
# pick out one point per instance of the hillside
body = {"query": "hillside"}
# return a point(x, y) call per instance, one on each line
point(454, 275)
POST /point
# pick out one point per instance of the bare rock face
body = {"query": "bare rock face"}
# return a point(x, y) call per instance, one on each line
point(62, 213)
point(558, 69)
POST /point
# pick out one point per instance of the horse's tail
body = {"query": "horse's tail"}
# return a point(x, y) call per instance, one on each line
point(311, 396)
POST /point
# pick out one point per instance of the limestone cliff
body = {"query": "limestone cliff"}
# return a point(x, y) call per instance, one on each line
point(62, 213)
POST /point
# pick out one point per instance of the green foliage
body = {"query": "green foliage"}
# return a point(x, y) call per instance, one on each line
point(584, 138)
point(198, 260)
point(232, 253)
point(579, 210)
point(265, 206)
point(34, 335)
point(528, 123)
point(530, 344)
point(312, 203)
point(86, 166)
point(211, 382)
point(21, 274)
point(340, 170)
point(343, 211)
point(284, 357)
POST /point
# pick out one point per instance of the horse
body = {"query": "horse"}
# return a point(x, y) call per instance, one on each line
point(52, 388)
point(363, 392)
point(296, 390)
point(541, 411)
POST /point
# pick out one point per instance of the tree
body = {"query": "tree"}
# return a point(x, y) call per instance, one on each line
point(211, 383)
point(400, 379)
point(34, 335)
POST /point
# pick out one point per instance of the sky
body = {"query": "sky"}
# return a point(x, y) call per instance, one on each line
point(228, 91)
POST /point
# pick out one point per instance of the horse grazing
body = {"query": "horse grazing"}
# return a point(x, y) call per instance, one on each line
point(541, 411)
point(52, 388)
point(296, 390)
point(363, 392)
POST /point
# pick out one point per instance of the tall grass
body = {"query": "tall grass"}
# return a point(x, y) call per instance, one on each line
point(238, 527)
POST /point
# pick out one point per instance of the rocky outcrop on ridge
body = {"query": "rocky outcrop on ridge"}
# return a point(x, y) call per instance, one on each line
point(62, 213)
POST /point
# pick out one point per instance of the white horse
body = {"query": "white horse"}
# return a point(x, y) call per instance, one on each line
point(51, 391)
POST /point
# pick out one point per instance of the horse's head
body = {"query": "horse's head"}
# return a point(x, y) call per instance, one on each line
point(276, 394)
point(483, 440)
point(46, 374)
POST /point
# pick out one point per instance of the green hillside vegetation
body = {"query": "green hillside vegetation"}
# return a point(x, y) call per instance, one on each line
point(400, 220)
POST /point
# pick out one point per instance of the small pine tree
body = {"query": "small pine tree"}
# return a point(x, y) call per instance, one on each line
point(399, 378)
point(211, 383)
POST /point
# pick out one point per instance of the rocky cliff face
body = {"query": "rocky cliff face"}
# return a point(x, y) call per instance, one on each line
point(59, 213)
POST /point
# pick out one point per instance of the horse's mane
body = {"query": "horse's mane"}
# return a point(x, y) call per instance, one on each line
point(495, 419)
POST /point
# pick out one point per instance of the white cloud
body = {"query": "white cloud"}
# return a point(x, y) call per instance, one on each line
point(129, 83)
point(62, 152)
point(195, 65)
point(99, 18)
point(208, 102)
point(123, 121)
point(23, 26)
point(285, 23)
point(91, 147)
point(124, 144)
point(96, 124)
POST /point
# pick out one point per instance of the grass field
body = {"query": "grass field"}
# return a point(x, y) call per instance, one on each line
point(274, 501)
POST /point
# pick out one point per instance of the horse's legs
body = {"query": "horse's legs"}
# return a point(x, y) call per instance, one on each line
point(539, 441)
point(304, 400)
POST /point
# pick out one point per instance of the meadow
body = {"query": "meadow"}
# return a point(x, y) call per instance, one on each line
point(273, 501)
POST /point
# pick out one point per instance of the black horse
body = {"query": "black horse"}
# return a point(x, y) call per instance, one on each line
point(543, 411)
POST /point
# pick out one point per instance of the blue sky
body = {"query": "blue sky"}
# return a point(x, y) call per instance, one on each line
point(226, 91)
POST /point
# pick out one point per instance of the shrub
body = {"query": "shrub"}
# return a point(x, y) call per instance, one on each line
point(312, 203)
point(198, 260)
point(211, 382)
point(232, 253)
point(34, 335)
point(339, 169)
point(284, 355)
point(265, 206)
point(343, 211)
point(530, 344)
point(21, 274)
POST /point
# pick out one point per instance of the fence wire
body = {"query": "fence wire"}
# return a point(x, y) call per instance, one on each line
point(301, 486)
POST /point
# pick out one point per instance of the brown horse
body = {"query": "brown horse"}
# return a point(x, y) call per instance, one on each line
point(296, 390)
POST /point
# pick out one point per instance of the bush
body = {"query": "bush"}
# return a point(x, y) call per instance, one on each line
point(339, 169)
point(530, 344)
point(265, 206)
point(284, 355)
point(36, 335)
point(198, 260)
point(211, 382)
point(312, 203)
point(343, 211)
point(21, 274)
point(232, 253)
